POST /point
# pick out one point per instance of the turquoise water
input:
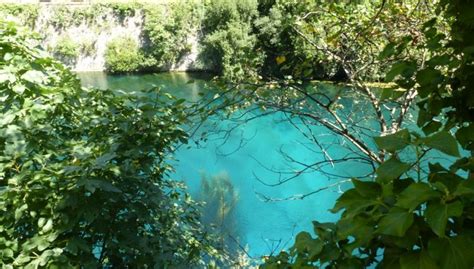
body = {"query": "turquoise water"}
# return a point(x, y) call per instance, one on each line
point(251, 151)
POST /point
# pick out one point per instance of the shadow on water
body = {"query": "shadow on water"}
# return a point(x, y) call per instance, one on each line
point(261, 226)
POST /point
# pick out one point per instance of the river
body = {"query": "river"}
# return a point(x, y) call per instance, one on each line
point(260, 226)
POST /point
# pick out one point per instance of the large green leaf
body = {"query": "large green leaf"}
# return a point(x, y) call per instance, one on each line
point(466, 187)
point(6, 119)
point(419, 260)
point(367, 189)
point(325, 230)
point(444, 142)
point(405, 69)
point(416, 194)
point(360, 228)
point(393, 142)
point(396, 222)
point(437, 214)
point(34, 76)
point(453, 253)
point(304, 243)
point(391, 169)
point(353, 202)
point(465, 136)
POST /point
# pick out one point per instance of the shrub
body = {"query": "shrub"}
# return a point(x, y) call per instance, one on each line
point(67, 50)
point(25, 13)
point(87, 47)
point(167, 30)
point(83, 171)
point(220, 12)
point(123, 55)
point(232, 52)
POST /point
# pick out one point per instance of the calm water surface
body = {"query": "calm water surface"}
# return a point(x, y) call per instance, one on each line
point(261, 226)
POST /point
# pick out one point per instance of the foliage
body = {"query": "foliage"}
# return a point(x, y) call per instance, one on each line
point(229, 46)
point(83, 171)
point(333, 39)
point(220, 12)
point(66, 49)
point(64, 16)
point(405, 218)
point(123, 55)
point(87, 47)
point(167, 29)
point(122, 10)
point(25, 13)
point(232, 51)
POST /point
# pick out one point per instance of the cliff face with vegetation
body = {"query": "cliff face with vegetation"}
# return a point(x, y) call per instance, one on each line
point(240, 40)
point(116, 37)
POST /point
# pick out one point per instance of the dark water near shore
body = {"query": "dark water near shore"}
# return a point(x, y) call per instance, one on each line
point(251, 151)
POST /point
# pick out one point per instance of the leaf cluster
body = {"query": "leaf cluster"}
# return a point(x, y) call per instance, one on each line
point(83, 171)
point(396, 220)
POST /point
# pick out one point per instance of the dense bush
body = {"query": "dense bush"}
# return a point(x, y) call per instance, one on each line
point(66, 49)
point(83, 171)
point(167, 29)
point(26, 14)
point(63, 16)
point(123, 55)
point(218, 13)
point(231, 51)
point(229, 46)
point(334, 40)
point(415, 212)
point(272, 38)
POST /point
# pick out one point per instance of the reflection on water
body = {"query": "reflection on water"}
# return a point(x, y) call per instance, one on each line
point(263, 227)
point(180, 84)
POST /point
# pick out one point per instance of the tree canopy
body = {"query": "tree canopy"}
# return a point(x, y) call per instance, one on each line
point(82, 171)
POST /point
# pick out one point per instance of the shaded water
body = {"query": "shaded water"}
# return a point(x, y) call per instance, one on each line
point(261, 226)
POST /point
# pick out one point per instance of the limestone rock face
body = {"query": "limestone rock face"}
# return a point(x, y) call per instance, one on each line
point(95, 34)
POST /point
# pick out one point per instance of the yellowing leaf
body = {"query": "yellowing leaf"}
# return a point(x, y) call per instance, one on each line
point(280, 59)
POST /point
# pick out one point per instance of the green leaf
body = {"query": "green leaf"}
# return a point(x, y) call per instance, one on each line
point(437, 214)
point(453, 253)
point(305, 243)
point(48, 226)
point(432, 126)
point(420, 260)
point(405, 69)
point(19, 211)
point(388, 51)
point(93, 184)
point(393, 142)
point(324, 230)
point(6, 253)
point(358, 227)
point(416, 194)
point(34, 76)
point(104, 159)
point(21, 259)
point(367, 189)
point(6, 76)
point(19, 88)
point(444, 142)
point(466, 187)
point(391, 169)
point(353, 202)
point(428, 76)
point(396, 222)
point(6, 119)
point(465, 136)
